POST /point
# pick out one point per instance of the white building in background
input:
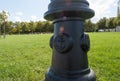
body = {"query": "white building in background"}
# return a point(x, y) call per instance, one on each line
point(118, 29)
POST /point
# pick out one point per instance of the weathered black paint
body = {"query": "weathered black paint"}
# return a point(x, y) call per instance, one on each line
point(69, 43)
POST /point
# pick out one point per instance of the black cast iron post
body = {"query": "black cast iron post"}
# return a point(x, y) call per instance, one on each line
point(69, 43)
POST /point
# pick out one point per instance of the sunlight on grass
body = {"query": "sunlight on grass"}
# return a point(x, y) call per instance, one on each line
point(27, 57)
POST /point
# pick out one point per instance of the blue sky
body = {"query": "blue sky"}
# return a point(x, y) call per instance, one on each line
point(26, 10)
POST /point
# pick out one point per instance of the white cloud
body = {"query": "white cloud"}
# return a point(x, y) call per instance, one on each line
point(19, 13)
point(42, 19)
point(103, 8)
point(17, 18)
point(34, 18)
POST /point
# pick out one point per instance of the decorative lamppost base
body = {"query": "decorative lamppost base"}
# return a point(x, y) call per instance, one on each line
point(51, 76)
point(69, 43)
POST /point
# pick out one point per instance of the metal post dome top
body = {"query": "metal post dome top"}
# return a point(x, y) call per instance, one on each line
point(68, 8)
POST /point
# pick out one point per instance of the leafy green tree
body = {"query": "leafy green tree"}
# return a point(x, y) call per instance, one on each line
point(0, 28)
point(101, 24)
point(115, 23)
point(3, 20)
point(89, 26)
point(32, 26)
point(111, 23)
point(25, 27)
point(18, 27)
point(13, 30)
point(48, 27)
point(8, 26)
point(39, 26)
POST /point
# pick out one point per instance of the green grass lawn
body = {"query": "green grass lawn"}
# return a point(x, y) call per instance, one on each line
point(27, 57)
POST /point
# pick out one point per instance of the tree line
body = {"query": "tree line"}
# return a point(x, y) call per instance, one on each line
point(103, 23)
point(27, 27)
point(32, 27)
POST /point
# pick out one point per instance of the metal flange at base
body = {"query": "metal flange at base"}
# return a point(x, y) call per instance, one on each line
point(50, 76)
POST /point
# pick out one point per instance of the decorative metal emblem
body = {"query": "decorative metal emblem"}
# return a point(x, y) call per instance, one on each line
point(63, 42)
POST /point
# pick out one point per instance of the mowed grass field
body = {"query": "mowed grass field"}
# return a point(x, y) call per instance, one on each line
point(27, 57)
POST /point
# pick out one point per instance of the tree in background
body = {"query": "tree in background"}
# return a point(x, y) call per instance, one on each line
point(9, 27)
point(32, 26)
point(89, 26)
point(18, 27)
point(3, 20)
point(0, 28)
point(111, 23)
point(101, 24)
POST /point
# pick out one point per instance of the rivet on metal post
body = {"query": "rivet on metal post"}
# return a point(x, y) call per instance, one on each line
point(69, 43)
